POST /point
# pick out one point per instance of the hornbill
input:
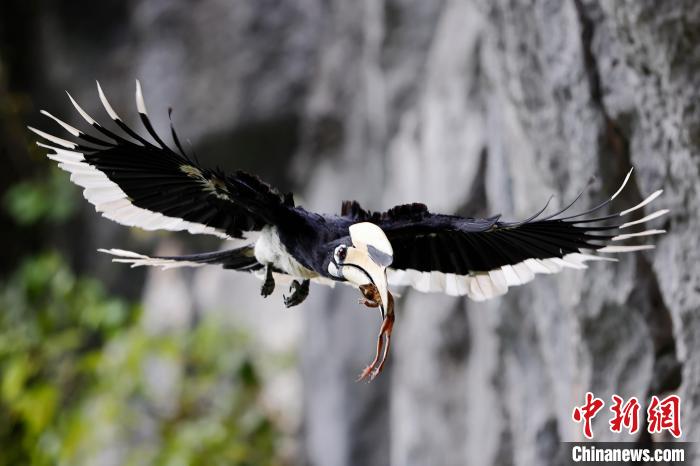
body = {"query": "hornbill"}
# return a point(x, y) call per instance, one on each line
point(149, 184)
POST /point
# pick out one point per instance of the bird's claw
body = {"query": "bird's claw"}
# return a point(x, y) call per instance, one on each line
point(299, 293)
point(269, 284)
point(267, 289)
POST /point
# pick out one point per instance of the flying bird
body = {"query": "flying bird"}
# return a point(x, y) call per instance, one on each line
point(138, 180)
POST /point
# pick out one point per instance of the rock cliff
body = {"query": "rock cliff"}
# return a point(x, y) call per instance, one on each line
point(470, 106)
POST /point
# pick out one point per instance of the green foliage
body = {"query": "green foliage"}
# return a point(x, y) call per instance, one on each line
point(52, 198)
point(81, 382)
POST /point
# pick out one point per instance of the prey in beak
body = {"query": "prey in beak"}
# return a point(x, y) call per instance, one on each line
point(371, 296)
point(364, 265)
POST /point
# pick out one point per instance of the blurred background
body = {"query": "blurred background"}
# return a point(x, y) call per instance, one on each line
point(471, 106)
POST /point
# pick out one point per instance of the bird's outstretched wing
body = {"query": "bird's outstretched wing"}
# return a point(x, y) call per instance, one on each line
point(147, 184)
point(481, 258)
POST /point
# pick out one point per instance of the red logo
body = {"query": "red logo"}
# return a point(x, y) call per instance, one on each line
point(587, 412)
point(626, 415)
point(661, 415)
point(665, 415)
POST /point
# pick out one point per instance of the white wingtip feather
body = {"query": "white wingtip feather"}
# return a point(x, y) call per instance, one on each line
point(651, 216)
point(581, 258)
point(140, 104)
point(54, 139)
point(646, 201)
point(122, 253)
point(641, 233)
point(57, 150)
point(624, 183)
point(74, 131)
point(614, 249)
point(105, 103)
point(80, 110)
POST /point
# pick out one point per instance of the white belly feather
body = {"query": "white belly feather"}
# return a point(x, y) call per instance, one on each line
point(269, 250)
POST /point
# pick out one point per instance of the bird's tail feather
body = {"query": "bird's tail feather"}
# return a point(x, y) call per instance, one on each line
point(238, 259)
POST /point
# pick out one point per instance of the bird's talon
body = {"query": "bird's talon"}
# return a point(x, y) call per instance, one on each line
point(289, 300)
point(299, 293)
point(269, 284)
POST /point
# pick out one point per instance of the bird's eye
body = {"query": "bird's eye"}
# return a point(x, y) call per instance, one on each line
point(340, 253)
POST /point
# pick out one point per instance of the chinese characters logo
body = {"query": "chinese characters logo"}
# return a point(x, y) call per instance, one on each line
point(662, 415)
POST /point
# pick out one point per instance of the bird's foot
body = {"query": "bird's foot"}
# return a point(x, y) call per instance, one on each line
point(383, 342)
point(269, 284)
point(299, 293)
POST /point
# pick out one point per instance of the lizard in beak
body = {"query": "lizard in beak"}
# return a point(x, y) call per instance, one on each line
point(364, 265)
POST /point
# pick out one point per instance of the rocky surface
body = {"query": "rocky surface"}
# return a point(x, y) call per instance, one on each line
point(470, 106)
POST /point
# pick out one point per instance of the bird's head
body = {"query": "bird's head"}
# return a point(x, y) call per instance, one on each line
point(365, 260)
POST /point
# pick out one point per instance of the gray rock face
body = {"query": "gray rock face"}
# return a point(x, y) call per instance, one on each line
point(473, 107)
point(501, 104)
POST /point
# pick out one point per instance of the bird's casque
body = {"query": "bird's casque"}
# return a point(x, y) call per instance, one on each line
point(148, 184)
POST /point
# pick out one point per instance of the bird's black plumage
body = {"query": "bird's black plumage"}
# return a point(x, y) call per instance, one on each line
point(426, 242)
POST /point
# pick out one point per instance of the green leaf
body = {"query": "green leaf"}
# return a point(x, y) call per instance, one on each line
point(37, 407)
point(14, 377)
point(73, 381)
point(52, 199)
